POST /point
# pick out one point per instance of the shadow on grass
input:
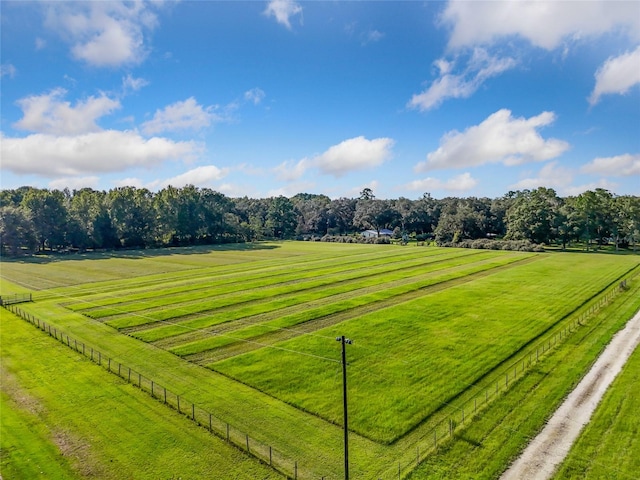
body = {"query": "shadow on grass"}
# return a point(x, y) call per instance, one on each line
point(51, 257)
point(470, 441)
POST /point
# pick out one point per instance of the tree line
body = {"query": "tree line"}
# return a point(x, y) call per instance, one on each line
point(35, 220)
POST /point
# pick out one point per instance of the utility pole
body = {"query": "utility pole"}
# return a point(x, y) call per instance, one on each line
point(344, 342)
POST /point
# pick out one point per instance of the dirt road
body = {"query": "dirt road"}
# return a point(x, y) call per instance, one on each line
point(546, 451)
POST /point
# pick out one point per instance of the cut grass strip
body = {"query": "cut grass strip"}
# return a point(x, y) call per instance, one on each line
point(484, 449)
point(387, 289)
point(441, 344)
point(389, 292)
point(609, 446)
point(224, 288)
point(89, 408)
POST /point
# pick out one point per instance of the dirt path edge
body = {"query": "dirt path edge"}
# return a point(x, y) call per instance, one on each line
point(549, 448)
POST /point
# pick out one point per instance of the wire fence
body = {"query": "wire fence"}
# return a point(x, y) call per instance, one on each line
point(15, 298)
point(202, 417)
point(459, 416)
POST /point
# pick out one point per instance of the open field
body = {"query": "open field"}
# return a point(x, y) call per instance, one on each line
point(249, 332)
point(64, 418)
point(608, 446)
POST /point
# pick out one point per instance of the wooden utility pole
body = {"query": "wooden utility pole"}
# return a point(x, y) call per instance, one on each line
point(344, 341)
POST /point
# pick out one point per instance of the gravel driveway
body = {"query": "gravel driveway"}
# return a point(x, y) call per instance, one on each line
point(547, 450)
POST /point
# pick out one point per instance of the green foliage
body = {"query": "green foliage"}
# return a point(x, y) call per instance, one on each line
point(63, 417)
point(429, 326)
point(132, 217)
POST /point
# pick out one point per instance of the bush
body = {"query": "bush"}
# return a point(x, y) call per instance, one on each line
point(487, 244)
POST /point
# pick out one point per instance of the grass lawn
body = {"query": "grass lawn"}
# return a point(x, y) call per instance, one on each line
point(485, 448)
point(426, 351)
point(430, 328)
point(609, 446)
point(63, 417)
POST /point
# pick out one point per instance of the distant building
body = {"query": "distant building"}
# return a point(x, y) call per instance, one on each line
point(384, 232)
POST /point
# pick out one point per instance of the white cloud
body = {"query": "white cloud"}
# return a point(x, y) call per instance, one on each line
point(8, 69)
point(371, 36)
point(350, 155)
point(545, 24)
point(129, 182)
point(460, 183)
point(481, 66)
point(131, 84)
point(40, 43)
point(181, 116)
point(354, 154)
point(89, 153)
point(255, 95)
point(104, 34)
point(49, 113)
point(617, 75)
point(625, 165)
point(550, 176)
point(291, 170)
point(498, 139)
point(283, 11)
point(199, 177)
point(74, 183)
point(578, 189)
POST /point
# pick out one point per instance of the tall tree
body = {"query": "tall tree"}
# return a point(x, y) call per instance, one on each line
point(534, 215)
point(596, 212)
point(281, 218)
point(17, 234)
point(49, 216)
point(131, 211)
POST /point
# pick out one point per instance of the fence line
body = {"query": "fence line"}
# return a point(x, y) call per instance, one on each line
point(15, 298)
point(442, 432)
point(445, 430)
point(202, 417)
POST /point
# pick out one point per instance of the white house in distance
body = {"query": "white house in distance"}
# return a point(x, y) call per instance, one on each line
point(384, 232)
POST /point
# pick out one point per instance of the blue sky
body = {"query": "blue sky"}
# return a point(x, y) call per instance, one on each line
point(280, 97)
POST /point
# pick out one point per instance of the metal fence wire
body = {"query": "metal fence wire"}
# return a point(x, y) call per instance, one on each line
point(443, 431)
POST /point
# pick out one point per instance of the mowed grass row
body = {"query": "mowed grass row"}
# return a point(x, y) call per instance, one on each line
point(64, 417)
point(145, 288)
point(427, 351)
point(226, 260)
point(112, 272)
point(363, 289)
point(488, 444)
point(372, 297)
point(288, 293)
point(219, 284)
point(609, 445)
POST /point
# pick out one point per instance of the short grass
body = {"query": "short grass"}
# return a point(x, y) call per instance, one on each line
point(426, 351)
point(64, 417)
point(609, 446)
point(485, 448)
point(454, 320)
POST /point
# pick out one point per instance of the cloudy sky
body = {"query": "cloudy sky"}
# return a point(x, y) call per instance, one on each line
point(280, 97)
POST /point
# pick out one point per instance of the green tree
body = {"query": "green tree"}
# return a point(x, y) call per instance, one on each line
point(17, 234)
point(596, 214)
point(534, 215)
point(132, 214)
point(628, 219)
point(49, 215)
point(340, 213)
point(281, 218)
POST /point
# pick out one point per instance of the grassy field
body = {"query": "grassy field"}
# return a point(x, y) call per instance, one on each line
point(609, 446)
point(496, 437)
point(432, 328)
point(64, 418)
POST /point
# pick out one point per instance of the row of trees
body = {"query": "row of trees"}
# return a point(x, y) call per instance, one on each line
point(34, 219)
